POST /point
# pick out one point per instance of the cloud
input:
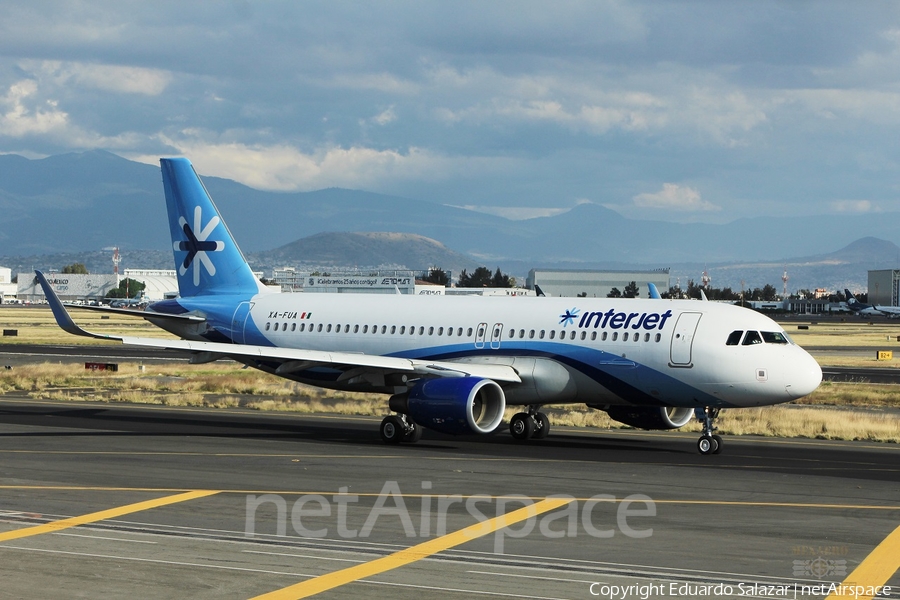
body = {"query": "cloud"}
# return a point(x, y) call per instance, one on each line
point(282, 167)
point(676, 198)
point(23, 115)
point(516, 213)
point(853, 206)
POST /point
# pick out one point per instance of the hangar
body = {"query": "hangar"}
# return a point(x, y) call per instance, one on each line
point(594, 283)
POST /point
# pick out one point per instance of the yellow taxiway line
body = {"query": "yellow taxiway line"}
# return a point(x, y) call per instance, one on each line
point(102, 515)
point(874, 571)
point(415, 553)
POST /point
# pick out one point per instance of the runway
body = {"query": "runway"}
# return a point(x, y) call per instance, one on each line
point(235, 503)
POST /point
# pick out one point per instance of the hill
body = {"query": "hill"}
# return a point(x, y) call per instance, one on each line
point(364, 249)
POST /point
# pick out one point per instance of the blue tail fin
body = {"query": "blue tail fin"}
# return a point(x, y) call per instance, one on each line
point(207, 259)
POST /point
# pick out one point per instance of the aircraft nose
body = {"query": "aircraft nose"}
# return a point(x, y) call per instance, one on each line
point(805, 377)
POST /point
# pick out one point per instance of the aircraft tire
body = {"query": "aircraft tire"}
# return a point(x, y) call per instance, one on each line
point(392, 430)
point(521, 427)
point(718, 441)
point(413, 435)
point(541, 426)
point(707, 445)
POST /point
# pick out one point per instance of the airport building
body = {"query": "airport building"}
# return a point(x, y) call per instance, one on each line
point(884, 287)
point(8, 289)
point(594, 284)
point(70, 287)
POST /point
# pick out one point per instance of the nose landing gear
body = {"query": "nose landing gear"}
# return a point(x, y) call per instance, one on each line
point(709, 442)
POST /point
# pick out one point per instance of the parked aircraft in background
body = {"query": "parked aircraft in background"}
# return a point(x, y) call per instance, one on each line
point(138, 300)
point(453, 364)
point(868, 309)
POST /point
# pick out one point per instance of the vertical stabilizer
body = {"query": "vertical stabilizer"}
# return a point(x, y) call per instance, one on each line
point(207, 259)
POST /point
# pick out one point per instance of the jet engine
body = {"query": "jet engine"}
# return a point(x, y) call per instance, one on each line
point(650, 417)
point(454, 405)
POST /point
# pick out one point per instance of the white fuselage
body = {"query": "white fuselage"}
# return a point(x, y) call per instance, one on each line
point(597, 351)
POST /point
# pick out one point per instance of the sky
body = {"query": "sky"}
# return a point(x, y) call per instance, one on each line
point(674, 111)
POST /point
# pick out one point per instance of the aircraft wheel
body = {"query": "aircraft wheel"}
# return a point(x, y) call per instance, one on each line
point(521, 426)
point(541, 426)
point(392, 430)
point(718, 444)
point(707, 445)
point(413, 435)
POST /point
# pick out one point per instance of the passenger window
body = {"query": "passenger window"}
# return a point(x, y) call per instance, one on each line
point(356, 329)
point(637, 337)
point(734, 338)
point(449, 331)
point(615, 335)
point(603, 337)
point(552, 334)
point(774, 337)
point(531, 334)
point(383, 329)
point(469, 332)
point(347, 328)
point(319, 328)
point(658, 336)
point(593, 336)
point(402, 329)
point(440, 331)
point(365, 329)
point(328, 329)
point(302, 327)
point(393, 329)
point(293, 327)
point(268, 325)
point(459, 331)
point(412, 330)
point(751, 338)
point(572, 337)
point(541, 335)
point(646, 337)
point(624, 336)
point(431, 331)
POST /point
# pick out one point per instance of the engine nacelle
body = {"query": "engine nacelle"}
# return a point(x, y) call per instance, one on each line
point(651, 417)
point(457, 405)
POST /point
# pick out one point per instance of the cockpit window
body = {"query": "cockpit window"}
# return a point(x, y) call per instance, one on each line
point(774, 337)
point(734, 338)
point(751, 338)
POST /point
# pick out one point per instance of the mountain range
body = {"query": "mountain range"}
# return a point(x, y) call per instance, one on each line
point(82, 202)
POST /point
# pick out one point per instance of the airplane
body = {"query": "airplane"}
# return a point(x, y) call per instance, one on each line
point(139, 299)
point(453, 364)
point(868, 309)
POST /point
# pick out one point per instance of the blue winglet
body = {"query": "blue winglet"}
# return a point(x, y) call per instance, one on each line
point(61, 314)
point(654, 293)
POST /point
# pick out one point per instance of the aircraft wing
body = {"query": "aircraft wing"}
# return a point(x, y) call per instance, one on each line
point(888, 310)
point(133, 312)
point(290, 359)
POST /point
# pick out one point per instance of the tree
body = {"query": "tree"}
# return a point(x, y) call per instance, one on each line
point(75, 269)
point(631, 291)
point(614, 293)
point(500, 280)
point(128, 288)
point(437, 276)
point(481, 277)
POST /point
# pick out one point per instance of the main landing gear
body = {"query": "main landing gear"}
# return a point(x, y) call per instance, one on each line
point(709, 442)
point(531, 425)
point(399, 428)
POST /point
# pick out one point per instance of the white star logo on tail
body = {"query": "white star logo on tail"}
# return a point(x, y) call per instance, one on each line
point(197, 245)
